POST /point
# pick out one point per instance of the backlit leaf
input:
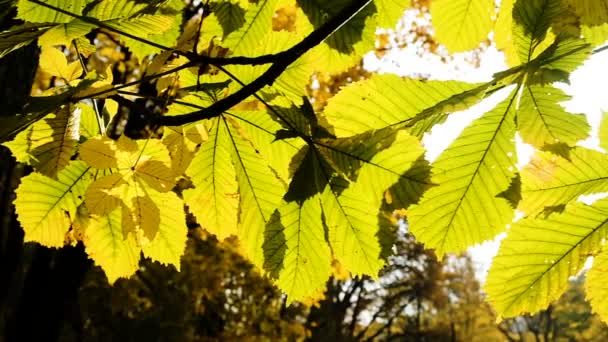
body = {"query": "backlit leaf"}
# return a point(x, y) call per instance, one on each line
point(214, 199)
point(541, 120)
point(549, 180)
point(49, 143)
point(596, 286)
point(538, 256)
point(46, 206)
point(461, 25)
point(352, 223)
point(106, 245)
point(463, 209)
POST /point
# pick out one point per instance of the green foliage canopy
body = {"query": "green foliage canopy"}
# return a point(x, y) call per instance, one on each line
point(303, 189)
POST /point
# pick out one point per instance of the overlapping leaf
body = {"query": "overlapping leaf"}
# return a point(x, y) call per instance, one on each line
point(538, 256)
point(49, 143)
point(260, 192)
point(35, 13)
point(345, 46)
point(464, 209)
point(461, 25)
point(295, 249)
point(143, 170)
point(352, 225)
point(257, 21)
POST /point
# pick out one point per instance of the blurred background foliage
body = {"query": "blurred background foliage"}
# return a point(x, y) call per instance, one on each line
point(219, 296)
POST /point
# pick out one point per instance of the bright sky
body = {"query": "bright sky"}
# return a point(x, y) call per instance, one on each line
point(587, 88)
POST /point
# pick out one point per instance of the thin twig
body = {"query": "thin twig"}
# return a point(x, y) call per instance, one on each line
point(100, 123)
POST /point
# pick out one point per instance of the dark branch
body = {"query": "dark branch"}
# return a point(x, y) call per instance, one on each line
point(281, 61)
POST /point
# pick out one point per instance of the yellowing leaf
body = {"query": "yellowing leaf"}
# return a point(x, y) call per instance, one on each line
point(49, 143)
point(603, 132)
point(390, 100)
point(103, 195)
point(105, 244)
point(46, 206)
point(99, 152)
point(55, 63)
point(462, 24)
point(169, 244)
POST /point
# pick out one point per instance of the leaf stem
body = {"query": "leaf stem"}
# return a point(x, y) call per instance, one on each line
point(100, 123)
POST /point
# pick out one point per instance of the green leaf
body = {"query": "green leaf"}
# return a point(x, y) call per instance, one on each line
point(344, 47)
point(214, 199)
point(503, 32)
point(565, 54)
point(149, 27)
point(461, 25)
point(293, 81)
point(541, 120)
point(35, 13)
point(261, 130)
point(63, 34)
point(18, 37)
point(229, 16)
point(549, 180)
point(603, 131)
point(590, 12)
point(596, 286)
point(296, 250)
point(538, 256)
point(351, 210)
point(464, 208)
point(258, 22)
point(106, 245)
point(385, 100)
point(532, 19)
point(45, 206)
point(390, 11)
point(260, 193)
point(48, 144)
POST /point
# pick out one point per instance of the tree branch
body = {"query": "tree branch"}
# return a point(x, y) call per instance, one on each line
point(280, 62)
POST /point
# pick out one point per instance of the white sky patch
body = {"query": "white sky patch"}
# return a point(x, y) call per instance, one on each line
point(586, 87)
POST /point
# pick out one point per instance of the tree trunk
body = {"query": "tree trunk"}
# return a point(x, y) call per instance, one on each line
point(39, 286)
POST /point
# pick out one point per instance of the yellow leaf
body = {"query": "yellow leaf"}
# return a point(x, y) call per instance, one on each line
point(55, 63)
point(170, 240)
point(157, 175)
point(104, 242)
point(45, 205)
point(103, 195)
point(49, 143)
point(99, 152)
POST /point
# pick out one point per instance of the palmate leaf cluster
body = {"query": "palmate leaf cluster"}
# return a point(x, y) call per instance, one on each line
point(305, 191)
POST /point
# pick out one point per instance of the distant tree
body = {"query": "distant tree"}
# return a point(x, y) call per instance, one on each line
point(570, 318)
